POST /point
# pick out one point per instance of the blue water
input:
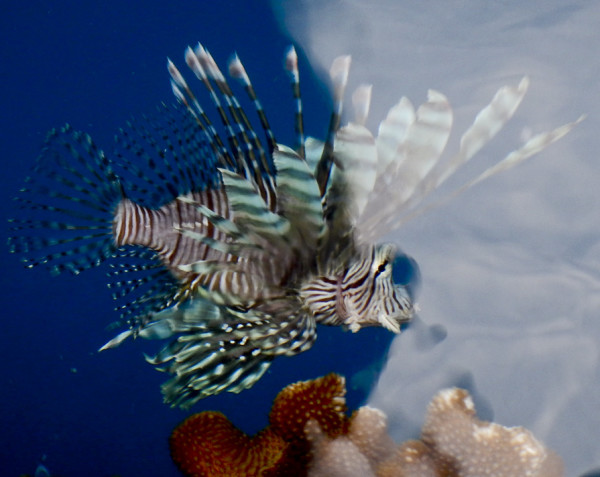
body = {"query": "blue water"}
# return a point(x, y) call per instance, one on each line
point(510, 269)
point(95, 65)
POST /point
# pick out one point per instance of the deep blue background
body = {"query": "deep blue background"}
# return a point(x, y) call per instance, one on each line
point(95, 65)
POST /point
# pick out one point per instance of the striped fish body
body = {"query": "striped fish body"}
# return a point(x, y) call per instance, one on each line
point(233, 249)
point(160, 229)
point(181, 235)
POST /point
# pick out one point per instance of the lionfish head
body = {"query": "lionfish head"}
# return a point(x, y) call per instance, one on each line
point(374, 291)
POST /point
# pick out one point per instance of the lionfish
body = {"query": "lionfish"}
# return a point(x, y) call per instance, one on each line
point(232, 247)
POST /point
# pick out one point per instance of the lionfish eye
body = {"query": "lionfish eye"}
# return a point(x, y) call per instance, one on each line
point(381, 267)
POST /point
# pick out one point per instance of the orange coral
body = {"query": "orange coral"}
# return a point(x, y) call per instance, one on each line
point(209, 445)
point(321, 399)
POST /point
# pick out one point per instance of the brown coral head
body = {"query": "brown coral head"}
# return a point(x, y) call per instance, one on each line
point(321, 399)
point(209, 445)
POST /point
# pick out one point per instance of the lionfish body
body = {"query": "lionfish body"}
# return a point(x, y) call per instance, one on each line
point(233, 249)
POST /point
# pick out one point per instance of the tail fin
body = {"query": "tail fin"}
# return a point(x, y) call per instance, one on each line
point(66, 206)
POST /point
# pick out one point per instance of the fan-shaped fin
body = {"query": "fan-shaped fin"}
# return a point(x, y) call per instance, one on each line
point(354, 172)
point(425, 141)
point(69, 202)
point(185, 96)
point(533, 146)
point(339, 77)
point(140, 283)
point(221, 223)
point(299, 198)
point(387, 210)
point(416, 145)
point(291, 65)
point(361, 101)
point(488, 122)
point(392, 134)
point(313, 149)
point(237, 71)
point(250, 212)
point(163, 156)
point(220, 349)
point(199, 63)
point(248, 150)
point(530, 148)
point(237, 248)
point(207, 267)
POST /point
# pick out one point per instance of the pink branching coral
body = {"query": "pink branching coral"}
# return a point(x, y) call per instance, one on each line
point(453, 443)
point(483, 448)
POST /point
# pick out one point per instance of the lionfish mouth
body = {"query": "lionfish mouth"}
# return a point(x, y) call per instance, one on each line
point(340, 305)
point(394, 322)
point(390, 323)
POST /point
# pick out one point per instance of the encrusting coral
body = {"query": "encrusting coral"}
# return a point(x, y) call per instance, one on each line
point(310, 435)
point(209, 445)
point(453, 443)
point(452, 430)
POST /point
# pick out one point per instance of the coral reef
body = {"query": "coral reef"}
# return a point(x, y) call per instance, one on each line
point(453, 432)
point(310, 435)
point(453, 443)
point(209, 445)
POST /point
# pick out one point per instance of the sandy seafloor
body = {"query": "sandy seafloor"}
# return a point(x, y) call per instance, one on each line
point(511, 269)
